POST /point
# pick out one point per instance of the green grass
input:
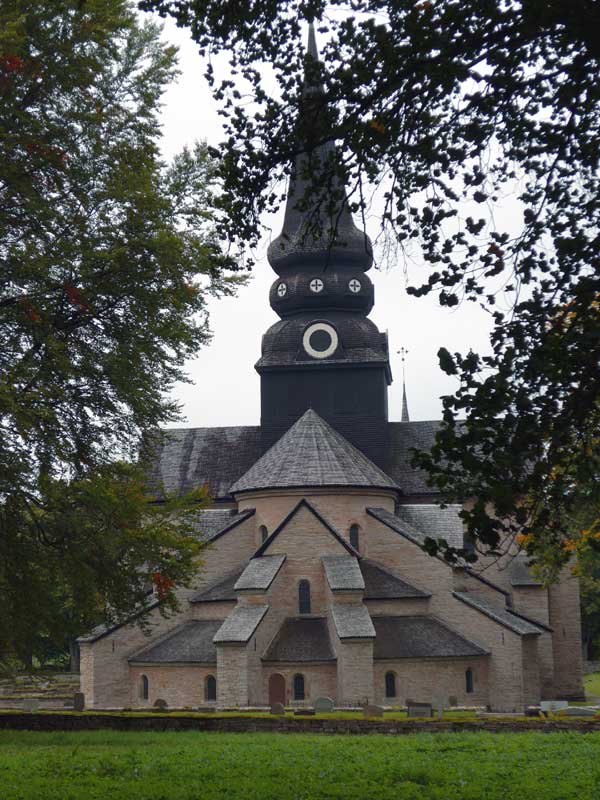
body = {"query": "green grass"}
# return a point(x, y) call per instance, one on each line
point(591, 684)
point(200, 766)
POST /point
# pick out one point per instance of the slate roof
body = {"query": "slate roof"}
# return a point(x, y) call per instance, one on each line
point(100, 631)
point(503, 616)
point(380, 584)
point(190, 643)
point(398, 524)
point(218, 591)
point(301, 639)
point(402, 437)
point(240, 624)
point(217, 457)
point(311, 454)
point(260, 573)
point(343, 573)
point(187, 458)
point(433, 521)
point(420, 637)
point(520, 573)
point(352, 621)
point(210, 523)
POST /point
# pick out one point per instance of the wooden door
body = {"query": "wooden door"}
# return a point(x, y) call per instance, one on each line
point(276, 689)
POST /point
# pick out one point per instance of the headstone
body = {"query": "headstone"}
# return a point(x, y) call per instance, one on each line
point(304, 712)
point(31, 704)
point(419, 709)
point(324, 705)
point(452, 701)
point(439, 703)
point(160, 704)
point(206, 709)
point(553, 706)
point(579, 711)
point(373, 711)
point(532, 711)
point(78, 701)
point(277, 709)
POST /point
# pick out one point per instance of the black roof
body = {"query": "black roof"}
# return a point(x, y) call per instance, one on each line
point(190, 643)
point(381, 584)
point(301, 639)
point(420, 637)
point(402, 437)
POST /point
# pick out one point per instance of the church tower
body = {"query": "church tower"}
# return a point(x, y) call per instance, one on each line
point(324, 353)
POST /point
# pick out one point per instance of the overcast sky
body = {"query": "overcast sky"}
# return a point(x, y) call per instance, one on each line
point(226, 387)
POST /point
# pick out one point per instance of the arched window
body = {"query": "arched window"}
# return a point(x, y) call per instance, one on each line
point(354, 536)
point(210, 687)
point(469, 681)
point(264, 534)
point(144, 686)
point(304, 597)
point(390, 684)
point(298, 687)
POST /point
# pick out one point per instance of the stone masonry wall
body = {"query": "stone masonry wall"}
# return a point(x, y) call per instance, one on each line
point(179, 686)
point(320, 680)
point(426, 680)
point(565, 620)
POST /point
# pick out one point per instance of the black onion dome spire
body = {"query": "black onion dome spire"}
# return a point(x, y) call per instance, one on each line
point(318, 230)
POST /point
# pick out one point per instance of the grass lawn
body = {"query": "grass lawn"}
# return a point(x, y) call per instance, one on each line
point(591, 684)
point(203, 766)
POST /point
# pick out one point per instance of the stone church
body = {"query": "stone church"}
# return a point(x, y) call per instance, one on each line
point(314, 581)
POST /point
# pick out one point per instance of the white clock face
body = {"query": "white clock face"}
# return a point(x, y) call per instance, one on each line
point(355, 286)
point(320, 340)
point(316, 285)
point(281, 290)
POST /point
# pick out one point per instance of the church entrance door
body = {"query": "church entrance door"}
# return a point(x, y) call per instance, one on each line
point(276, 689)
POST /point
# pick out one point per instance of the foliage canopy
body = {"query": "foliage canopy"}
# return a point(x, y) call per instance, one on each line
point(448, 107)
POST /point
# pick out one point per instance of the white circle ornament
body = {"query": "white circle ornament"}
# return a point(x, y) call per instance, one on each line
point(320, 340)
point(355, 286)
point(316, 285)
point(281, 290)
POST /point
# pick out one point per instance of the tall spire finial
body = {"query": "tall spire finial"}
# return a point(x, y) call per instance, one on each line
point(404, 417)
point(311, 48)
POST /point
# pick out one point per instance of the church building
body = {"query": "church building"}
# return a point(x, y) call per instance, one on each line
point(314, 582)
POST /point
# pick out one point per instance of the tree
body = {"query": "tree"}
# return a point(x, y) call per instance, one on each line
point(106, 258)
point(448, 107)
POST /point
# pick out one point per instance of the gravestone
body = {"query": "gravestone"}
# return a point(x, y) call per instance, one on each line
point(578, 711)
point(439, 703)
point(160, 704)
point(415, 709)
point(452, 701)
point(206, 709)
point(304, 712)
point(277, 709)
point(373, 711)
point(553, 706)
point(324, 705)
point(31, 704)
point(78, 701)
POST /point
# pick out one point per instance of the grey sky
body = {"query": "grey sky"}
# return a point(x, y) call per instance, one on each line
point(226, 387)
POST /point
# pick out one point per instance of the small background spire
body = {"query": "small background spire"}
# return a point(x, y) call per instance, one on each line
point(405, 417)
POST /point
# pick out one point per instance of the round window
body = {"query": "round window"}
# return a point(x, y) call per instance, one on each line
point(320, 340)
point(281, 290)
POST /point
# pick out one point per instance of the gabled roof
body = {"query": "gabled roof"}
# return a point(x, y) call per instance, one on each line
point(420, 637)
point(343, 573)
point(212, 523)
point(434, 521)
point(398, 524)
point(352, 621)
point(220, 590)
point(381, 584)
point(312, 454)
point(240, 624)
point(301, 639)
point(520, 572)
point(260, 573)
point(190, 643)
point(282, 525)
point(513, 622)
point(186, 458)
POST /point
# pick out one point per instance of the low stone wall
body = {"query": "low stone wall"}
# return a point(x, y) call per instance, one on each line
point(159, 722)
